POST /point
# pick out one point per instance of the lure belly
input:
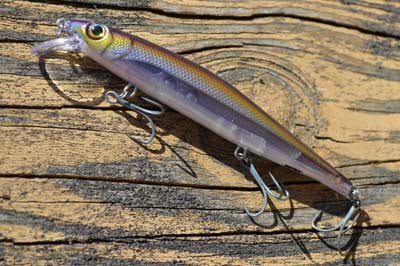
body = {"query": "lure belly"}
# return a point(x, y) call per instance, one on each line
point(196, 93)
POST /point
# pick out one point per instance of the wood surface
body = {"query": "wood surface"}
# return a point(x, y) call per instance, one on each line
point(75, 190)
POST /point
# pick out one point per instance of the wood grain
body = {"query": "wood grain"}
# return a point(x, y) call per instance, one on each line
point(377, 247)
point(378, 17)
point(75, 190)
point(85, 209)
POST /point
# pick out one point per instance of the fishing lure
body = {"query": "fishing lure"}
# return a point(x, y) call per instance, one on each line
point(205, 98)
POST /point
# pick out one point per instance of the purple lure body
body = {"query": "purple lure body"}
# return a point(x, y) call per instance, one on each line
point(205, 98)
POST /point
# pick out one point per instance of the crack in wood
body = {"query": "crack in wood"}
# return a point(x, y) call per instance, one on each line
point(174, 237)
point(372, 162)
point(340, 24)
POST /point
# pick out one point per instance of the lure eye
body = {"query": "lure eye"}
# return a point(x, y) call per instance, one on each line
point(96, 31)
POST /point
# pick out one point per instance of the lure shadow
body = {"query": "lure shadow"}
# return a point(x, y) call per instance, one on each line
point(209, 143)
point(348, 248)
point(295, 238)
point(71, 73)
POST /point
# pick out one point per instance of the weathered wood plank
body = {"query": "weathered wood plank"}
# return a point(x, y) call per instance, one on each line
point(374, 247)
point(93, 144)
point(305, 76)
point(77, 210)
point(379, 17)
point(74, 189)
point(301, 70)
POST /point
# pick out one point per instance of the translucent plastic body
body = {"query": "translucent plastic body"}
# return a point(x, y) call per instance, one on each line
point(205, 98)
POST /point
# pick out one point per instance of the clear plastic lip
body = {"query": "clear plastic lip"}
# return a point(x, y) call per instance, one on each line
point(71, 44)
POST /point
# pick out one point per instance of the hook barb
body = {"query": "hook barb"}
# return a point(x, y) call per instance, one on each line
point(152, 128)
point(242, 155)
point(283, 193)
point(113, 97)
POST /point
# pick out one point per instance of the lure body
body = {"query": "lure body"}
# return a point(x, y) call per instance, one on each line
point(200, 95)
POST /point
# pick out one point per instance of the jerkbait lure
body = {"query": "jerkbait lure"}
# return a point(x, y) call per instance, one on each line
point(204, 97)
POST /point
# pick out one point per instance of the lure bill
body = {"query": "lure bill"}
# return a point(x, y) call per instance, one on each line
point(198, 94)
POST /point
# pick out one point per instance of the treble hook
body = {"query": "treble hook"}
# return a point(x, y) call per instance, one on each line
point(113, 97)
point(341, 227)
point(242, 156)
